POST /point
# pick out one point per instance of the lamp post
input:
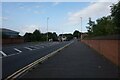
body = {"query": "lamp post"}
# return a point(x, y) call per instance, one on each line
point(81, 27)
point(47, 28)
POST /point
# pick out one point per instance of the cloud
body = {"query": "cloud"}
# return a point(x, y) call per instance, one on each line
point(95, 10)
point(38, 6)
point(38, 12)
point(29, 29)
point(21, 7)
point(56, 3)
point(3, 18)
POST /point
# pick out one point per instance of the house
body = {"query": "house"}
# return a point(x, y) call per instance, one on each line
point(62, 38)
point(10, 36)
point(9, 33)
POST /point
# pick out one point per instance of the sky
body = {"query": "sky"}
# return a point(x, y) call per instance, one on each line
point(64, 17)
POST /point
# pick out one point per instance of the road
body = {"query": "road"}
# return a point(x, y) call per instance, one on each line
point(75, 61)
point(15, 57)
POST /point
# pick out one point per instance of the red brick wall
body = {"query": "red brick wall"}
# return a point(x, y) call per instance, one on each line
point(12, 40)
point(108, 48)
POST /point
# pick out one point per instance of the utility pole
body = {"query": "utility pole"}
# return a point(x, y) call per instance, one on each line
point(81, 27)
point(47, 28)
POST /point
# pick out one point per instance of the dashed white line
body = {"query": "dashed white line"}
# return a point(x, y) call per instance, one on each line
point(3, 53)
point(34, 47)
point(17, 50)
point(37, 45)
point(11, 55)
point(42, 46)
point(28, 48)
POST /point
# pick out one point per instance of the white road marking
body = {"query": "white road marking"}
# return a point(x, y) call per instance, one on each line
point(3, 53)
point(11, 55)
point(34, 47)
point(29, 66)
point(37, 46)
point(42, 46)
point(28, 48)
point(17, 50)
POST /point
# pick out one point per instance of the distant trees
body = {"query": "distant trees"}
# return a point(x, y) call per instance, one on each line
point(54, 36)
point(28, 37)
point(76, 34)
point(68, 36)
point(106, 25)
point(38, 36)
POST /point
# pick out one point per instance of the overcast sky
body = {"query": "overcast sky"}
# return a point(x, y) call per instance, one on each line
point(64, 17)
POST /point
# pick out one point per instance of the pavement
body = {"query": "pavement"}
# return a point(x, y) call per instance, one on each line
point(14, 57)
point(75, 61)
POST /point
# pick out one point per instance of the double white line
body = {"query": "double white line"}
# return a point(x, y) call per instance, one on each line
point(30, 66)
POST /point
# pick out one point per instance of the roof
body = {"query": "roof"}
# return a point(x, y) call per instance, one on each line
point(7, 30)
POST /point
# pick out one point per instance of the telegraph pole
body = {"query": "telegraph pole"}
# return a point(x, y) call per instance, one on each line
point(81, 27)
point(47, 28)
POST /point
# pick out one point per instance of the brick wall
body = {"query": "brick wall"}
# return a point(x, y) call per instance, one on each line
point(108, 48)
point(12, 40)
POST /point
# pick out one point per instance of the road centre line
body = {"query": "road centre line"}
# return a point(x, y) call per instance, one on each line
point(17, 50)
point(3, 53)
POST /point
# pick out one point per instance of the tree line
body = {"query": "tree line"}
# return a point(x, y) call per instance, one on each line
point(38, 36)
point(106, 25)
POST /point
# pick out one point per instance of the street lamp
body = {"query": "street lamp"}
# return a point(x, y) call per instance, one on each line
point(81, 27)
point(47, 28)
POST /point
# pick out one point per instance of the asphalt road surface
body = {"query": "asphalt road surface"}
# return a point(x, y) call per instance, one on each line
point(76, 61)
point(15, 57)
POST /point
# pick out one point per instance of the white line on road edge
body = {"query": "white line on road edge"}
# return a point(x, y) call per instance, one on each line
point(17, 50)
point(28, 48)
point(31, 65)
point(3, 53)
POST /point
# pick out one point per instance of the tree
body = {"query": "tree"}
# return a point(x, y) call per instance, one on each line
point(69, 36)
point(50, 36)
point(115, 13)
point(37, 35)
point(90, 26)
point(103, 26)
point(28, 37)
point(43, 37)
point(76, 34)
point(54, 36)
